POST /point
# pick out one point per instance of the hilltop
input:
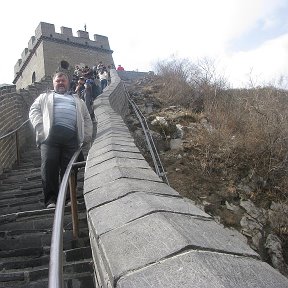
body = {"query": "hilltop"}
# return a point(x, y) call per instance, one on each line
point(220, 164)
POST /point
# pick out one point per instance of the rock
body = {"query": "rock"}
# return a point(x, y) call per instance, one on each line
point(179, 131)
point(231, 207)
point(274, 247)
point(252, 229)
point(254, 212)
point(176, 144)
point(278, 216)
point(159, 120)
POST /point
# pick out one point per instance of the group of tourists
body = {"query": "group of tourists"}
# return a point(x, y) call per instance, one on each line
point(88, 83)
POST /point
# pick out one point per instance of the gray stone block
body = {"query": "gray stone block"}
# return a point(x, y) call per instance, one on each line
point(160, 235)
point(111, 116)
point(204, 269)
point(126, 209)
point(115, 173)
point(109, 141)
point(121, 187)
point(123, 148)
point(114, 130)
point(119, 139)
point(112, 154)
point(106, 126)
point(116, 162)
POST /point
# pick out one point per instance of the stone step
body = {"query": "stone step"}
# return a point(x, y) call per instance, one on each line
point(21, 185)
point(35, 224)
point(19, 200)
point(28, 200)
point(26, 229)
point(40, 258)
point(76, 274)
point(77, 249)
point(23, 263)
point(36, 214)
point(24, 252)
point(40, 239)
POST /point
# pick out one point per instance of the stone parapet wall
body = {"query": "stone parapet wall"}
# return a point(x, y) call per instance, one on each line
point(14, 110)
point(131, 75)
point(142, 232)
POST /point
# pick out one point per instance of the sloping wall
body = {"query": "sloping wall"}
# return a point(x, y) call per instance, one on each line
point(14, 110)
point(142, 232)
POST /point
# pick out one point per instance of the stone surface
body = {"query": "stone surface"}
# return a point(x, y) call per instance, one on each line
point(119, 172)
point(112, 147)
point(121, 187)
point(116, 162)
point(112, 154)
point(160, 235)
point(204, 269)
point(136, 205)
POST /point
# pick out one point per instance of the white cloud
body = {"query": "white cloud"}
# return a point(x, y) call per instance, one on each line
point(141, 32)
point(264, 64)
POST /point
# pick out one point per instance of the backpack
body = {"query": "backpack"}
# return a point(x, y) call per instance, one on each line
point(96, 90)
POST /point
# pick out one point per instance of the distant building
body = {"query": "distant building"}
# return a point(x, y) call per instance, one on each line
point(49, 52)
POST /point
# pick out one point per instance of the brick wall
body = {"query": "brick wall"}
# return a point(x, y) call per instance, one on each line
point(14, 109)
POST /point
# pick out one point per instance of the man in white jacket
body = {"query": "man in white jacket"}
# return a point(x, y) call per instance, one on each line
point(62, 123)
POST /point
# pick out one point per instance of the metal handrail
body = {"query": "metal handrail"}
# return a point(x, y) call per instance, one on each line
point(16, 139)
point(15, 130)
point(56, 258)
point(159, 169)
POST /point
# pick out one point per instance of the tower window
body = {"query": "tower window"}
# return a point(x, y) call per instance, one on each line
point(64, 64)
point(33, 77)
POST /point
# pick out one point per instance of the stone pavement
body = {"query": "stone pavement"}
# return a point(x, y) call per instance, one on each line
point(25, 231)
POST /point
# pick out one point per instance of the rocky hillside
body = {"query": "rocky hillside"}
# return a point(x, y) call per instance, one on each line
point(213, 175)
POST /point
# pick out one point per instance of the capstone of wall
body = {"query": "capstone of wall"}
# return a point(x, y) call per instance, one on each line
point(132, 75)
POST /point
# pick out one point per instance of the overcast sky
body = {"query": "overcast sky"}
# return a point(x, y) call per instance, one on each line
point(247, 39)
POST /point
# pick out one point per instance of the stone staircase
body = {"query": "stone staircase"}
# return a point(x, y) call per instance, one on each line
point(26, 227)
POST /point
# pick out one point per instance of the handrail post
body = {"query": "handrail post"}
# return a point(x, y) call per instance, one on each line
point(17, 147)
point(73, 198)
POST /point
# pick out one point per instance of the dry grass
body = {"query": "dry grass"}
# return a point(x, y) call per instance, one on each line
point(249, 127)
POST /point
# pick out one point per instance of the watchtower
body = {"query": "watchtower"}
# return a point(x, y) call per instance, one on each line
point(49, 52)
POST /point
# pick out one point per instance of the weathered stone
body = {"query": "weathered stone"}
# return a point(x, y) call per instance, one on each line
point(116, 162)
point(160, 235)
point(126, 209)
point(121, 187)
point(115, 173)
point(204, 269)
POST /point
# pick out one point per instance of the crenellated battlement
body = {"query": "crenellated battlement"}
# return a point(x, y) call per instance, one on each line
point(48, 30)
point(45, 32)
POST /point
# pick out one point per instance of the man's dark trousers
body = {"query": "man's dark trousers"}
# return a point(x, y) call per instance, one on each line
point(56, 152)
